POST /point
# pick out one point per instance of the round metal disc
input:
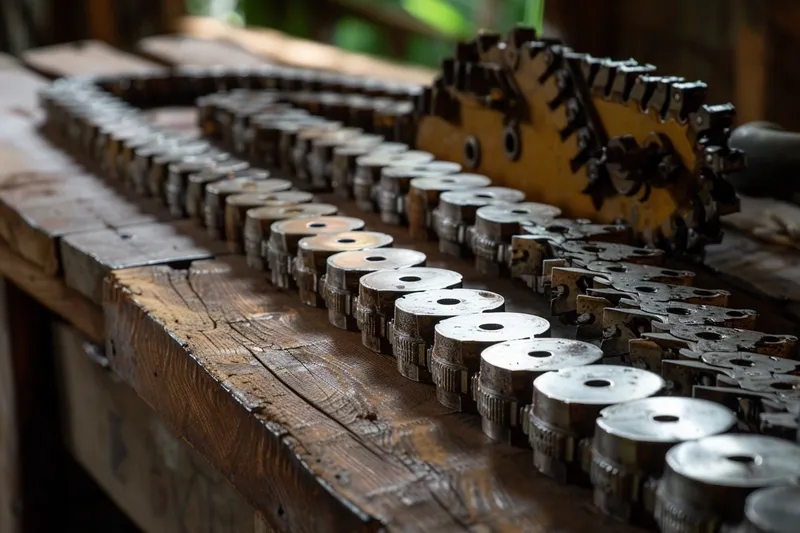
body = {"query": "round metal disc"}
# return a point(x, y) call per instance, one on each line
point(635, 270)
point(380, 158)
point(271, 198)
point(483, 196)
point(737, 460)
point(314, 225)
point(412, 279)
point(380, 259)
point(496, 327)
point(527, 211)
point(775, 509)
point(666, 419)
point(285, 211)
point(242, 185)
point(745, 361)
point(783, 385)
point(450, 182)
point(541, 355)
point(610, 251)
point(599, 384)
point(450, 302)
point(345, 241)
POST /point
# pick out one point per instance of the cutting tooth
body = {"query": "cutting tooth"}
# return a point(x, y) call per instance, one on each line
point(422, 102)
point(589, 68)
point(603, 81)
point(722, 160)
point(448, 71)
point(520, 35)
point(659, 101)
point(642, 91)
point(535, 48)
point(575, 116)
point(477, 79)
point(712, 120)
point(553, 58)
point(686, 98)
point(486, 40)
point(625, 79)
point(586, 147)
point(467, 51)
point(564, 84)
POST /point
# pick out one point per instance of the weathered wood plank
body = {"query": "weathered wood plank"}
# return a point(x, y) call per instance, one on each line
point(316, 412)
point(89, 256)
point(83, 57)
point(198, 52)
point(160, 482)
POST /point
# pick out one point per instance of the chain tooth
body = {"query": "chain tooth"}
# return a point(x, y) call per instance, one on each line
point(589, 68)
point(576, 118)
point(660, 100)
point(686, 98)
point(625, 80)
point(712, 121)
point(448, 72)
point(486, 40)
point(519, 35)
point(643, 90)
point(467, 51)
point(554, 58)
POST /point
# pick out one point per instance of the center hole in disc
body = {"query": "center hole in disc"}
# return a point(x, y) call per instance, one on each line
point(743, 459)
point(448, 180)
point(317, 225)
point(376, 258)
point(409, 279)
point(597, 383)
point(741, 362)
point(346, 241)
point(617, 269)
point(592, 249)
point(782, 385)
point(666, 418)
point(491, 327)
point(678, 311)
point(557, 229)
point(708, 336)
point(483, 195)
point(645, 288)
point(448, 301)
point(519, 211)
point(540, 354)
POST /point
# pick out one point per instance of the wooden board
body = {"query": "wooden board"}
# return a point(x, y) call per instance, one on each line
point(89, 256)
point(192, 51)
point(83, 57)
point(160, 482)
point(268, 390)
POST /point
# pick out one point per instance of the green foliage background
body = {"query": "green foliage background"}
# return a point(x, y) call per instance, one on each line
point(450, 21)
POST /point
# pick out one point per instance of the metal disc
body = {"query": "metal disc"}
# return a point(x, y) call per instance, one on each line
point(497, 327)
point(666, 419)
point(242, 185)
point(450, 182)
point(270, 198)
point(380, 158)
point(599, 384)
point(774, 510)
point(541, 355)
point(313, 225)
point(412, 279)
point(450, 302)
point(285, 211)
point(745, 361)
point(345, 241)
point(737, 460)
point(483, 196)
point(522, 212)
point(380, 259)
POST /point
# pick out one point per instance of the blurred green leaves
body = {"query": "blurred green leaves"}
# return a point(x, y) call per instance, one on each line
point(441, 15)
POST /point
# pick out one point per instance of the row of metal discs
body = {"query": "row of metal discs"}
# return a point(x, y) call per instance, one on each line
point(647, 456)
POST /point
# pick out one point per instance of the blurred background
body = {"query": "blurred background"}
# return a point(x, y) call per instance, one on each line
point(742, 48)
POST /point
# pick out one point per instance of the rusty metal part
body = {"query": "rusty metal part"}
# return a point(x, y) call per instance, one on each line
point(285, 235)
point(379, 291)
point(344, 166)
point(706, 482)
point(345, 269)
point(196, 186)
point(456, 214)
point(217, 192)
point(458, 343)
point(237, 205)
point(259, 220)
point(566, 403)
point(416, 315)
point(423, 197)
point(369, 168)
point(393, 187)
point(772, 510)
point(313, 253)
point(495, 225)
point(630, 442)
point(178, 178)
point(620, 142)
point(503, 387)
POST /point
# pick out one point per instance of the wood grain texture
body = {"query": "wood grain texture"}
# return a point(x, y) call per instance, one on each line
point(84, 57)
point(268, 390)
point(88, 256)
point(160, 482)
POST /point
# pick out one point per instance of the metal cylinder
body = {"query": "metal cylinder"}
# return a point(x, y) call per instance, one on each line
point(217, 192)
point(772, 510)
point(706, 482)
point(393, 187)
point(178, 178)
point(237, 205)
point(369, 168)
point(423, 198)
point(344, 270)
point(458, 343)
point(504, 384)
point(320, 158)
point(456, 213)
point(159, 166)
point(259, 220)
point(313, 253)
point(196, 186)
point(565, 406)
point(379, 291)
point(630, 442)
point(285, 236)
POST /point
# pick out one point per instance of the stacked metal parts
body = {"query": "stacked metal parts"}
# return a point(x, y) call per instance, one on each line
point(641, 407)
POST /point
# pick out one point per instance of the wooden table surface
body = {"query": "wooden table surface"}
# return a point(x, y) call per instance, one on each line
point(313, 429)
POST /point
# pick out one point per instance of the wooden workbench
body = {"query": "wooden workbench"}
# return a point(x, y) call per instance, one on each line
point(311, 430)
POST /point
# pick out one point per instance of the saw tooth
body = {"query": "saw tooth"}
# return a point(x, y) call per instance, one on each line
point(535, 48)
point(422, 102)
point(576, 118)
point(642, 91)
point(477, 79)
point(659, 101)
point(603, 81)
point(520, 35)
point(553, 58)
point(467, 51)
point(716, 118)
point(486, 40)
point(589, 67)
point(564, 84)
point(686, 98)
point(448, 71)
point(722, 160)
point(625, 79)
